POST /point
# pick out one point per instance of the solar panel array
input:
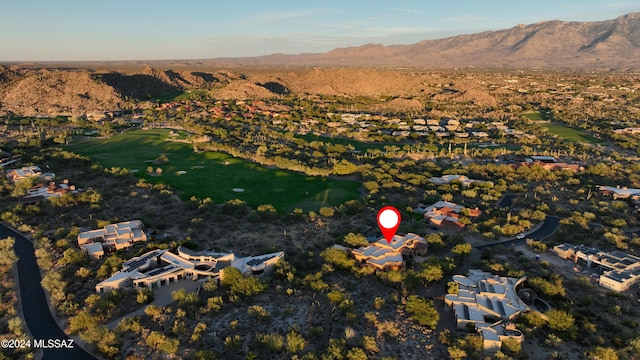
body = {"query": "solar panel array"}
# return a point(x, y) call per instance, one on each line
point(255, 262)
point(134, 264)
point(157, 271)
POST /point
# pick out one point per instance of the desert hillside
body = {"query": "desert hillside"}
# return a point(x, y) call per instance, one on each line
point(391, 72)
point(32, 92)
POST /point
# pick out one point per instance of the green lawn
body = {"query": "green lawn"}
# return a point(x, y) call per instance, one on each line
point(215, 174)
point(536, 116)
point(570, 134)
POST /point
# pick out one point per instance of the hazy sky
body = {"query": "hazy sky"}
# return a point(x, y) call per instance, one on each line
point(36, 30)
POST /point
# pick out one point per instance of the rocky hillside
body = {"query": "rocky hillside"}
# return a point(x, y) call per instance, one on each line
point(33, 91)
point(29, 92)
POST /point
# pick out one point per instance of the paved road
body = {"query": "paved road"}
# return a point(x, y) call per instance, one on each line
point(549, 225)
point(35, 308)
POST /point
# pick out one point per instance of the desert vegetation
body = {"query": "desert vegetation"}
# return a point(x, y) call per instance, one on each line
point(314, 167)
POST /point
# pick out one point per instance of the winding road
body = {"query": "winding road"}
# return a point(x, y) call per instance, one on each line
point(549, 225)
point(34, 304)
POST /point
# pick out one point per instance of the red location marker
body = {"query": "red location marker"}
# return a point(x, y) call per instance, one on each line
point(388, 221)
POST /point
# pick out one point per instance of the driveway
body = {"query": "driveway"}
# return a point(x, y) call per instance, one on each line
point(161, 297)
point(35, 307)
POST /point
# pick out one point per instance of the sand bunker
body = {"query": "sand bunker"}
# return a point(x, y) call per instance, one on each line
point(238, 189)
point(181, 172)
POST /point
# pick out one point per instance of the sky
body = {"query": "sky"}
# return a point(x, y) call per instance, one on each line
point(79, 30)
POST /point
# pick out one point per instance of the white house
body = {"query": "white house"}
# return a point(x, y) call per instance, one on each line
point(620, 270)
point(158, 268)
point(115, 236)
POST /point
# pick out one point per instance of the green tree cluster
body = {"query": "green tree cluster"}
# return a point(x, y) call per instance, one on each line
point(422, 311)
point(240, 285)
point(7, 254)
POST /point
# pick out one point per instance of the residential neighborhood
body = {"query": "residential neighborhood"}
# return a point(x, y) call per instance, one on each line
point(202, 210)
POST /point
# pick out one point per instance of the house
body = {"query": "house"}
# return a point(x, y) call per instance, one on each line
point(561, 166)
point(43, 192)
point(629, 130)
point(158, 268)
point(447, 179)
point(348, 118)
point(94, 250)
point(619, 270)
point(447, 214)
point(481, 134)
point(115, 236)
point(487, 303)
point(23, 173)
point(550, 165)
point(543, 159)
point(620, 192)
point(383, 255)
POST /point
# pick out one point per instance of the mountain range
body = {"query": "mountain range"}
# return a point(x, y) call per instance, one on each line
point(603, 45)
point(82, 87)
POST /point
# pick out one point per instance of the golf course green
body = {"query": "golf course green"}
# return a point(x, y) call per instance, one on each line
point(216, 175)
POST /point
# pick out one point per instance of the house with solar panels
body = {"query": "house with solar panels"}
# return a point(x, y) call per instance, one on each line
point(159, 268)
point(618, 271)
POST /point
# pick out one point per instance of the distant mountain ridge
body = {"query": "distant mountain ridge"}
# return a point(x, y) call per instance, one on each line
point(603, 45)
point(76, 88)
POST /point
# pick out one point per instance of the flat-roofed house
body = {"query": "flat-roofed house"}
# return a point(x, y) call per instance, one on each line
point(94, 250)
point(158, 268)
point(488, 303)
point(23, 173)
point(384, 255)
point(620, 270)
point(44, 192)
point(620, 192)
point(115, 236)
point(445, 213)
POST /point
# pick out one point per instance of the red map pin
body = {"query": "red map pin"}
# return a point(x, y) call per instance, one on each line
point(388, 221)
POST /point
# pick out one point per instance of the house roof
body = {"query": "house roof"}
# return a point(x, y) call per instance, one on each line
point(488, 294)
point(93, 248)
point(624, 191)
